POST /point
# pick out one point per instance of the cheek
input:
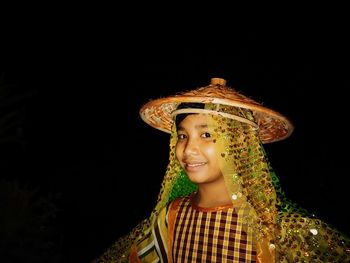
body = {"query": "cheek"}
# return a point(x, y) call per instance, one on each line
point(210, 152)
point(178, 152)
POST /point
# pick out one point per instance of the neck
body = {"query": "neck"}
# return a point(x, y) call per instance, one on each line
point(211, 197)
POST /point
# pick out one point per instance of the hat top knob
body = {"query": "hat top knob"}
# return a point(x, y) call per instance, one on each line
point(218, 81)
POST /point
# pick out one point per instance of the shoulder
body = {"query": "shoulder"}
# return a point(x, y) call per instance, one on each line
point(169, 212)
point(178, 202)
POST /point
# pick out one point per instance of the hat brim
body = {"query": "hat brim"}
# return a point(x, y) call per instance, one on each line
point(273, 126)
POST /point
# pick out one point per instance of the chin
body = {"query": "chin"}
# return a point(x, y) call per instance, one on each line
point(197, 179)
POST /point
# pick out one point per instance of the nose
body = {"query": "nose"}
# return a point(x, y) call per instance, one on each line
point(191, 147)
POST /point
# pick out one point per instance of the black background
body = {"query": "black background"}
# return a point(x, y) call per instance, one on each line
point(85, 139)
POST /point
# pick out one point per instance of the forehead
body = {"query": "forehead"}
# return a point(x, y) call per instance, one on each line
point(196, 120)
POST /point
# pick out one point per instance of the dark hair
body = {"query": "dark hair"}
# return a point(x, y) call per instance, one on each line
point(187, 105)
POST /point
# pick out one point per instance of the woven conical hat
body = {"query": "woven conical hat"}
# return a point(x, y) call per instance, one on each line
point(273, 126)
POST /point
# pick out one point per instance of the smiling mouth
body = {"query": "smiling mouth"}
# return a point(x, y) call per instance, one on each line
point(194, 166)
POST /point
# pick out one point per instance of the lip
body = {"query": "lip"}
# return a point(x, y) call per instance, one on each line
point(194, 166)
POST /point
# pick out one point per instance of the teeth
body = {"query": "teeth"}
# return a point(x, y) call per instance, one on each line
point(194, 164)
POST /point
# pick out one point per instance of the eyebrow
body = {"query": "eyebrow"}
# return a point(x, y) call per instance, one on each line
point(198, 126)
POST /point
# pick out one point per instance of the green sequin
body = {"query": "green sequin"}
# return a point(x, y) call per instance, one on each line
point(182, 186)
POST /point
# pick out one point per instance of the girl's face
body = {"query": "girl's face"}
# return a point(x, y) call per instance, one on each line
point(196, 149)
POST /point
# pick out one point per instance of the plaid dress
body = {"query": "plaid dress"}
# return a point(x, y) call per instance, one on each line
point(210, 235)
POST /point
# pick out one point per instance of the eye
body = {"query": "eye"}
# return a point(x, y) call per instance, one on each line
point(181, 136)
point(206, 135)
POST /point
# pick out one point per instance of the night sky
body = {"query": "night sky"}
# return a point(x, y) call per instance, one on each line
point(84, 138)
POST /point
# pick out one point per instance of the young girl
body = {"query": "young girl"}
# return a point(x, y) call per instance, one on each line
point(220, 200)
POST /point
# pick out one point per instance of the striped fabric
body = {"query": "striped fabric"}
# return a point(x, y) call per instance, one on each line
point(152, 248)
point(210, 235)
